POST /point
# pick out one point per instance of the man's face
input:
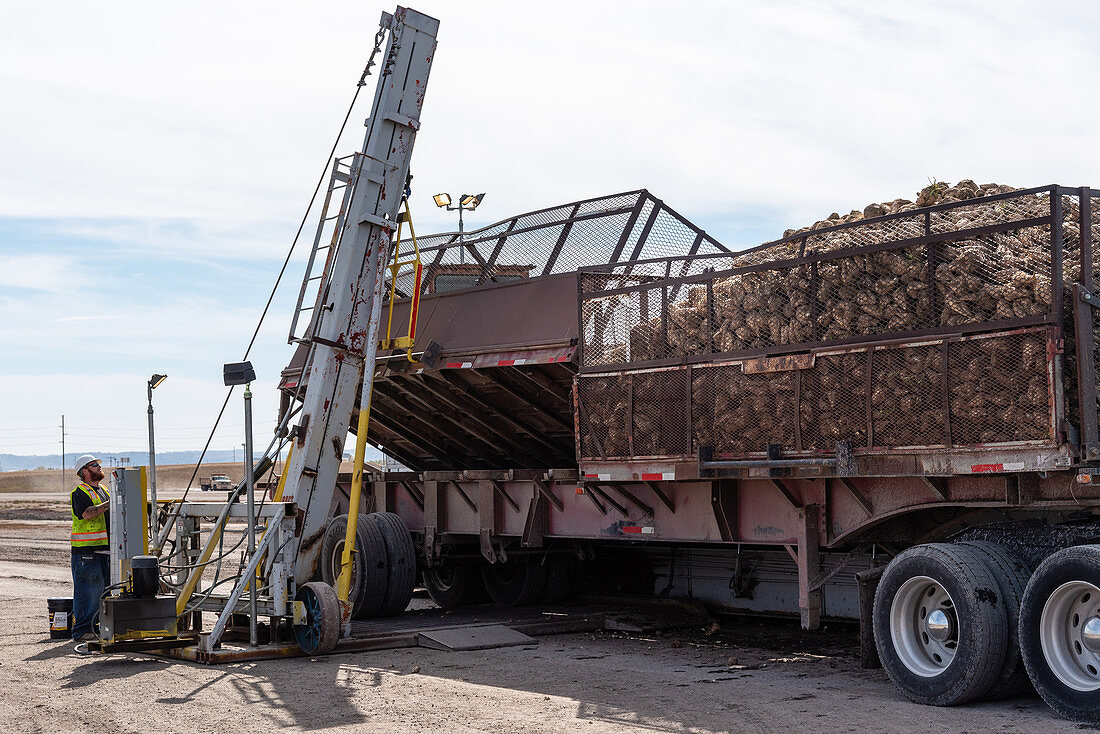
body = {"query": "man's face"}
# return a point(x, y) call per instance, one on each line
point(93, 473)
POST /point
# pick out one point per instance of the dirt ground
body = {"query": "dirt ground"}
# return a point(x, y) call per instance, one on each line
point(750, 676)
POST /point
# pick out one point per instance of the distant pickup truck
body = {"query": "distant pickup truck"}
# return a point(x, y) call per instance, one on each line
point(216, 482)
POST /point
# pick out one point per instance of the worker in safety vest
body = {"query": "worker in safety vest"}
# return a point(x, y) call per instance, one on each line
point(90, 536)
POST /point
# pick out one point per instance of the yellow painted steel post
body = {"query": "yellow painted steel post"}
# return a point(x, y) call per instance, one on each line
point(196, 572)
point(343, 584)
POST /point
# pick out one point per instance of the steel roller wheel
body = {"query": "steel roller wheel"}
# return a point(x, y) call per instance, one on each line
point(452, 586)
point(321, 629)
point(1060, 632)
point(941, 628)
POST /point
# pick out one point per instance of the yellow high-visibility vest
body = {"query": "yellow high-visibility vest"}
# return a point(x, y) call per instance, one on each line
point(89, 532)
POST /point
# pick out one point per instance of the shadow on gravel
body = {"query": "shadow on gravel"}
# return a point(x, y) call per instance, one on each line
point(99, 669)
point(57, 649)
point(190, 697)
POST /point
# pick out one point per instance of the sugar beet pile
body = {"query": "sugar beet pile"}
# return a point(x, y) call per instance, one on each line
point(997, 386)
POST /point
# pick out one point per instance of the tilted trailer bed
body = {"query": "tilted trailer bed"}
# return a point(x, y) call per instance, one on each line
point(765, 430)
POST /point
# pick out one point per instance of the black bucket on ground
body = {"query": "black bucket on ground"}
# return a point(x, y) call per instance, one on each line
point(61, 617)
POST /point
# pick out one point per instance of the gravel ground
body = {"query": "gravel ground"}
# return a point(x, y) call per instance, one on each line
point(750, 676)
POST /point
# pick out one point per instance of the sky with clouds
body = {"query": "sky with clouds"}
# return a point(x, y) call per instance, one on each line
point(155, 159)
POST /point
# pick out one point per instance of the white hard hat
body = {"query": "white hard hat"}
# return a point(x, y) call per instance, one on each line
point(83, 461)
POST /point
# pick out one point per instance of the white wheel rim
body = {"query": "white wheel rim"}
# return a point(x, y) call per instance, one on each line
point(1069, 631)
point(924, 626)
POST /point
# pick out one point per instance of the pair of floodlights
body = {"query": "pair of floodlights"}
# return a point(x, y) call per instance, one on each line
point(469, 202)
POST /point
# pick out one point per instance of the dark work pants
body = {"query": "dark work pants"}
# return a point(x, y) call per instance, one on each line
point(90, 575)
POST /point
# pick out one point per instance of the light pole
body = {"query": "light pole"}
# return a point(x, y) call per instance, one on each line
point(467, 202)
point(241, 373)
point(154, 381)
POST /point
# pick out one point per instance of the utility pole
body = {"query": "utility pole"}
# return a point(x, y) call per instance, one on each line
point(62, 452)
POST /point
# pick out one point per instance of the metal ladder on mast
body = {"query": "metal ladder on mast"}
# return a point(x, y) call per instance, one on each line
point(343, 170)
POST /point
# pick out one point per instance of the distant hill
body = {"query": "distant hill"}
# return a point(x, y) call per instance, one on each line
point(16, 462)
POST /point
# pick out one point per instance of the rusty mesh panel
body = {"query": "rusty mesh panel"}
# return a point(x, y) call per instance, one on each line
point(558, 240)
point(881, 292)
point(999, 389)
point(623, 328)
point(705, 404)
point(872, 233)
point(833, 401)
point(979, 212)
point(687, 317)
point(590, 241)
point(661, 413)
point(738, 413)
point(603, 416)
point(1095, 230)
point(1006, 275)
point(1071, 275)
point(907, 397)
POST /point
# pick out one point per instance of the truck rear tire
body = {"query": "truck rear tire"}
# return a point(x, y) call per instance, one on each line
point(332, 549)
point(400, 562)
point(1012, 575)
point(1060, 632)
point(453, 586)
point(375, 570)
point(941, 633)
point(559, 580)
point(515, 583)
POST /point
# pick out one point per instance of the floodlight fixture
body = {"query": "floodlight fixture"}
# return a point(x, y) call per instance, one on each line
point(238, 373)
point(471, 201)
point(442, 200)
point(155, 380)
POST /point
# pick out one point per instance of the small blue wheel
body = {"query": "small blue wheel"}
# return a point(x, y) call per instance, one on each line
point(321, 630)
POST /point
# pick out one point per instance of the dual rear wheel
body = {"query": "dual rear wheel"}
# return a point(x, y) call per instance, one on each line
point(1060, 632)
point(965, 621)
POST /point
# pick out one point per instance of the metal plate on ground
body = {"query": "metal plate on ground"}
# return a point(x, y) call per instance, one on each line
point(481, 637)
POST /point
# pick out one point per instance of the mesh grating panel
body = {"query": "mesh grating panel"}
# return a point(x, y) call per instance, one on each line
point(907, 397)
point(738, 413)
point(996, 389)
point(833, 402)
point(999, 389)
point(603, 416)
point(733, 305)
point(559, 239)
point(660, 408)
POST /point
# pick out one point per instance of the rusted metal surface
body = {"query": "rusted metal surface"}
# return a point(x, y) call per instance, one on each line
point(875, 451)
point(778, 364)
point(753, 510)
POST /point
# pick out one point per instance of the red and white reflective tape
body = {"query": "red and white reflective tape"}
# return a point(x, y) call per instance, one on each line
point(511, 362)
point(644, 530)
point(289, 385)
point(661, 476)
point(994, 468)
point(598, 477)
point(458, 365)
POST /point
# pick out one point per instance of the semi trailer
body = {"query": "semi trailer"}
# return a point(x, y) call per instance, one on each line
point(890, 419)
